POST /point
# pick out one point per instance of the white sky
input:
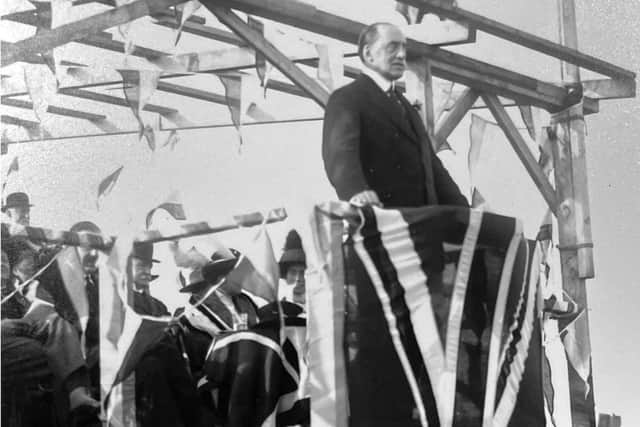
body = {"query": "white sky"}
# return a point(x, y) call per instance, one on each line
point(280, 165)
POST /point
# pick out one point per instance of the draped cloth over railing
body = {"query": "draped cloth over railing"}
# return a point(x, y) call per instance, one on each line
point(440, 317)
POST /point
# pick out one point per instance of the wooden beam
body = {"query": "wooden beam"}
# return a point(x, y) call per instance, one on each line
point(29, 17)
point(271, 53)
point(566, 53)
point(192, 93)
point(48, 39)
point(118, 46)
point(609, 88)
point(170, 13)
point(203, 31)
point(455, 115)
point(444, 64)
point(11, 120)
point(574, 130)
point(522, 150)
point(61, 111)
point(286, 88)
point(114, 100)
point(34, 129)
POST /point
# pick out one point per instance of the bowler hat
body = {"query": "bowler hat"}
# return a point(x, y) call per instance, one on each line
point(209, 274)
point(143, 251)
point(15, 200)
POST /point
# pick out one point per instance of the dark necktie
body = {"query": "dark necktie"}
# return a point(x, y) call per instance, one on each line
point(395, 97)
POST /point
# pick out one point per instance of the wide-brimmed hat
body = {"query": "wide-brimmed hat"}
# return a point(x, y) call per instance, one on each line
point(15, 200)
point(292, 254)
point(85, 226)
point(209, 274)
point(143, 251)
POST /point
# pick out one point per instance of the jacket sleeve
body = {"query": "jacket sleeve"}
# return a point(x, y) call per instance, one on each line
point(341, 147)
point(447, 189)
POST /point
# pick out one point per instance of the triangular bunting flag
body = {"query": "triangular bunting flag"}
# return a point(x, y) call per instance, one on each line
point(13, 167)
point(527, 117)
point(107, 184)
point(442, 94)
point(42, 87)
point(257, 270)
point(184, 11)
point(232, 91)
point(172, 140)
point(263, 67)
point(138, 87)
point(124, 31)
point(244, 97)
point(412, 14)
point(476, 137)
point(330, 65)
point(252, 99)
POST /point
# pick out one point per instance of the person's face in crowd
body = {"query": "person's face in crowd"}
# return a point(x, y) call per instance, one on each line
point(88, 259)
point(141, 272)
point(25, 267)
point(295, 276)
point(387, 54)
point(20, 215)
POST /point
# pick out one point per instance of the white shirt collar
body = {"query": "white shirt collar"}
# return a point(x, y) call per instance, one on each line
point(381, 81)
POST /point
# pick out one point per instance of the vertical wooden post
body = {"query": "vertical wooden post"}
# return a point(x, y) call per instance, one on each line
point(574, 228)
point(574, 128)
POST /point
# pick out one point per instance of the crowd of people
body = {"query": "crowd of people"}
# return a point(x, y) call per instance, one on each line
point(51, 356)
point(376, 151)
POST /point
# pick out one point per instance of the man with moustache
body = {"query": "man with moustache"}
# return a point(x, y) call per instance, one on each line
point(376, 151)
point(375, 147)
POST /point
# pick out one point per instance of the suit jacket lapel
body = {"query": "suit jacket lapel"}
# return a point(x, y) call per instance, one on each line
point(387, 105)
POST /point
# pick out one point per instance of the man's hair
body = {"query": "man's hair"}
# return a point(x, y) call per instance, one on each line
point(368, 36)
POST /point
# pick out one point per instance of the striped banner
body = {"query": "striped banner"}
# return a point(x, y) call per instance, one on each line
point(454, 291)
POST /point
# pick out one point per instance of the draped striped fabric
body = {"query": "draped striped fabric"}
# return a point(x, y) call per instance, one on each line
point(442, 316)
point(255, 381)
point(125, 336)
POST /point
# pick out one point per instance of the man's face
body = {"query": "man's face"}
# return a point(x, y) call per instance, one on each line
point(295, 275)
point(88, 259)
point(25, 268)
point(141, 272)
point(387, 54)
point(19, 215)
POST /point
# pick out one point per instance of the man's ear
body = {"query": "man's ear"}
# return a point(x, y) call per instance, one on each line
point(366, 54)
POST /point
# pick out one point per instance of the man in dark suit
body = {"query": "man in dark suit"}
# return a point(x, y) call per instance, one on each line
point(141, 262)
point(375, 147)
point(377, 151)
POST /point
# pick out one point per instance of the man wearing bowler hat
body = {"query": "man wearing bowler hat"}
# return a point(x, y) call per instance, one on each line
point(141, 261)
point(18, 208)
